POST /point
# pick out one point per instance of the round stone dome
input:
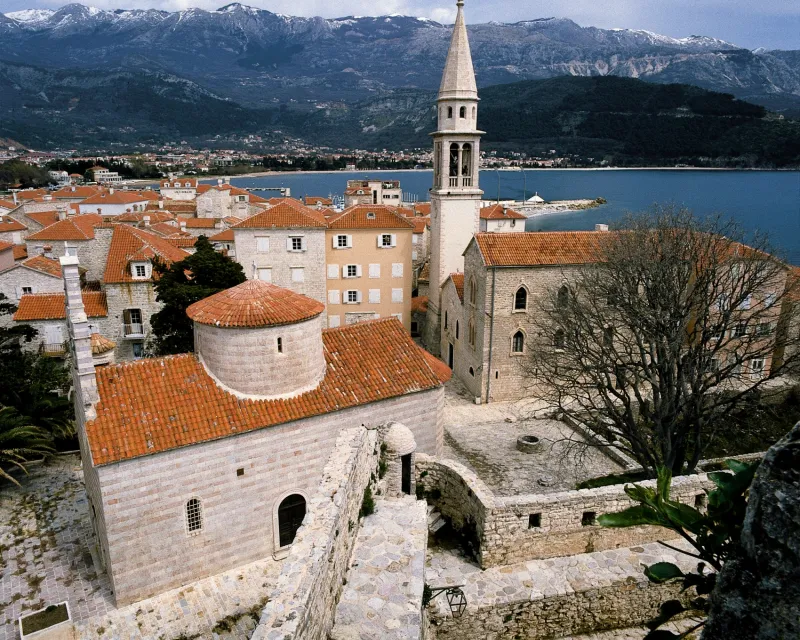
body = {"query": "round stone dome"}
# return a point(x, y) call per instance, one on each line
point(399, 440)
point(259, 340)
point(254, 304)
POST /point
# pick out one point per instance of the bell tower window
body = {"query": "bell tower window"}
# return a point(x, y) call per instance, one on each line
point(462, 112)
point(450, 113)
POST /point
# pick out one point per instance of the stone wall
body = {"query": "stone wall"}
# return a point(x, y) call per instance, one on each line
point(303, 603)
point(129, 295)
point(510, 529)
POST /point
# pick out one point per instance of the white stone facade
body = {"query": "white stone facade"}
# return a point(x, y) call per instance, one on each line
point(122, 298)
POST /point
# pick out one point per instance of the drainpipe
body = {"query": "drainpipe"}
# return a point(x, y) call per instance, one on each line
point(491, 337)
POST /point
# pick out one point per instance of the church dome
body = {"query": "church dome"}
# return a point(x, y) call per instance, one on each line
point(254, 304)
point(258, 340)
point(399, 440)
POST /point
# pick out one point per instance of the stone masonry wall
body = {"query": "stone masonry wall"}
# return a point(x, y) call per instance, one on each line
point(304, 600)
point(144, 499)
point(130, 295)
point(527, 527)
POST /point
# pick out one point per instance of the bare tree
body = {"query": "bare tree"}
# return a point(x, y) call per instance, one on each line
point(674, 327)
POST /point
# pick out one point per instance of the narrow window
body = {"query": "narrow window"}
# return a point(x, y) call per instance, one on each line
point(471, 333)
point(280, 345)
point(341, 241)
point(563, 297)
point(472, 372)
point(449, 112)
point(560, 339)
point(534, 520)
point(445, 319)
point(740, 330)
point(462, 113)
point(456, 329)
point(141, 272)
point(518, 345)
point(608, 337)
point(521, 299)
point(194, 516)
point(496, 375)
point(588, 518)
point(472, 289)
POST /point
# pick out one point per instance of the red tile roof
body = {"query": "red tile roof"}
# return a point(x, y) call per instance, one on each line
point(175, 206)
point(52, 306)
point(200, 223)
point(223, 236)
point(101, 344)
point(315, 200)
point(45, 265)
point(184, 242)
point(44, 218)
point(166, 229)
point(368, 216)
point(78, 192)
point(422, 208)
point(181, 183)
point(138, 216)
point(539, 248)
point(20, 251)
point(458, 282)
point(6, 245)
point(156, 405)
point(254, 303)
point(31, 194)
point(9, 224)
point(7, 204)
point(73, 228)
point(130, 243)
point(419, 304)
point(118, 197)
point(284, 215)
point(420, 224)
point(500, 212)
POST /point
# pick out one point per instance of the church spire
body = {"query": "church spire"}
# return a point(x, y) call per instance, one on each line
point(458, 80)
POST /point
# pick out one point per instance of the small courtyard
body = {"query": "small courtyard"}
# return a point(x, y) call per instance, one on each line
point(484, 439)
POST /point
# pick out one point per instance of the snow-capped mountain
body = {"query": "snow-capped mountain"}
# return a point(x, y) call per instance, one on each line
point(255, 56)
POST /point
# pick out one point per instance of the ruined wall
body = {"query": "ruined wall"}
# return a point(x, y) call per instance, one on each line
point(302, 604)
point(510, 529)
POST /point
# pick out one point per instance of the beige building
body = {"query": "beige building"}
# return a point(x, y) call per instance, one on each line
point(498, 218)
point(368, 191)
point(222, 200)
point(368, 265)
point(178, 188)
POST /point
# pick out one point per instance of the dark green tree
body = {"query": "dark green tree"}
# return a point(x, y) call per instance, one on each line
point(20, 441)
point(183, 283)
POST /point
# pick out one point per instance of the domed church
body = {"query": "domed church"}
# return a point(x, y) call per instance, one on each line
point(199, 463)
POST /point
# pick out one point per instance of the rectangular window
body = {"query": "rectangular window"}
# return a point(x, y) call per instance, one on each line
point(342, 241)
point(280, 345)
point(740, 330)
point(414, 255)
point(26, 291)
point(353, 297)
point(298, 274)
point(70, 251)
point(387, 240)
point(764, 329)
point(333, 271)
point(262, 244)
point(534, 520)
point(141, 271)
point(588, 518)
point(265, 274)
point(375, 296)
point(351, 271)
point(397, 270)
point(397, 295)
point(138, 350)
point(296, 243)
point(333, 296)
point(757, 367)
point(374, 271)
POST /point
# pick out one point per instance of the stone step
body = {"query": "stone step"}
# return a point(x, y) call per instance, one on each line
point(435, 521)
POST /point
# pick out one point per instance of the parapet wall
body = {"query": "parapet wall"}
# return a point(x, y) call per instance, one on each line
point(302, 605)
point(529, 527)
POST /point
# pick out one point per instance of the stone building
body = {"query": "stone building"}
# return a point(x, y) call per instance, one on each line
point(368, 265)
point(498, 218)
point(284, 245)
point(11, 230)
point(362, 192)
point(73, 236)
point(222, 200)
point(195, 464)
point(178, 188)
point(114, 202)
point(32, 275)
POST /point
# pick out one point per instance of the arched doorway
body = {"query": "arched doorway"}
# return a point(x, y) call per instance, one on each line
point(291, 512)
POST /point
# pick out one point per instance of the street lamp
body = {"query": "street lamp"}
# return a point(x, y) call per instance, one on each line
point(456, 599)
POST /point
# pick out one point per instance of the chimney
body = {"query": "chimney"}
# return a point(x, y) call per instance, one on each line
point(111, 191)
point(146, 221)
point(47, 197)
point(601, 227)
point(505, 211)
point(83, 376)
point(160, 204)
point(62, 211)
point(183, 225)
point(219, 182)
point(73, 188)
point(15, 198)
point(218, 225)
point(227, 180)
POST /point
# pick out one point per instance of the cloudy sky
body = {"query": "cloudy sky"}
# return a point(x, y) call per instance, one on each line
point(773, 24)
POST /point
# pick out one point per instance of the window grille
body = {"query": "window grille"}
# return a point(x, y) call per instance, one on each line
point(194, 516)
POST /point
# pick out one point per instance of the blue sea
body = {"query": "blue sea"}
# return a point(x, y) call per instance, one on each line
point(768, 201)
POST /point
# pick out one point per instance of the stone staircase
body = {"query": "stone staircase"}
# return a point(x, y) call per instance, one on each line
point(435, 519)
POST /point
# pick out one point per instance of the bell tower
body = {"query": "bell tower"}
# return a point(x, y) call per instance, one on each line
point(455, 196)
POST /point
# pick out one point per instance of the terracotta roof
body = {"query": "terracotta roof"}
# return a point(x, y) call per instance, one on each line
point(170, 183)
point(6, 245)
point(9, 224)
point(44, 218)
point(118, 197)
point(419, 304)
point(73, 228)
point(458, 282)
point(31, 194)
point(184, 242)
point(175, 206)
point(234, 191)
point(422, 208)
point(254, 303)
point(78, 192)
point(166, 229)
point(223, 236)
point(7, 204)
point(420, 224)
point(500, 212)
point(367, 216)
point(284, 215)
point(101, 344)
point(130, 243)
point(200, 223)
point(354, 191)
point(45, 265)
point(231, 220)
point(52, 306)
point(20, 251)
point(538, 248)
point(138, 216)
point(315, 200)
point(425, 272)
point(159, 404)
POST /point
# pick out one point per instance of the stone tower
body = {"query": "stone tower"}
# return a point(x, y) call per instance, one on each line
point(455, 196)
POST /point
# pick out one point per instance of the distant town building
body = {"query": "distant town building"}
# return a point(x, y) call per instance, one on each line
point(368, 191)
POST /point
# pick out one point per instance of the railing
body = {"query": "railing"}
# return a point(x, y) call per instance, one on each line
point(133, 330)
point(466, 182)
point(54, 349)
point(453, 182)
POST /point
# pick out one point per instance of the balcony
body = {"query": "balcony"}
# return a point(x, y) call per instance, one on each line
point(453, 182)
point(133, 330)
point(53, 350)
point(466, 182)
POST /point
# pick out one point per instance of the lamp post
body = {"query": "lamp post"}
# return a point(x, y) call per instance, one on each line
point(456, 599)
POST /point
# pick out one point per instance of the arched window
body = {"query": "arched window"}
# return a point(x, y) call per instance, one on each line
point(472, 372)
point(518, 342)
point(466, 160)
point(456, 329)
point(472, 291)
point(449, 112)
point(608, 336)
point(454, 159)
point(560, 339)
point(291, 512)
point(471, 333)
point(563, 297)
point(474, 112)
point(462, 112)
point(521, 299)
point(194, 516)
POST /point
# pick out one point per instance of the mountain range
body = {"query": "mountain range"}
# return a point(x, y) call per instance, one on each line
point(256, 57)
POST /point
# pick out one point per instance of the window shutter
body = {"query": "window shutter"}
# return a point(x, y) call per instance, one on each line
point(397, 270)
point(335, 241)
point(380, 236)
point(358, 270)
point(333, 321)
point(288, 244)
point(397, 295)
point(302, 243)
point(344, 271)
point(34, 289)
point(333, 296)
point(358, 296)
point(333, 271)
point(394, 239)
point(375, 296)
point(19, 292)
point(349, 242)
point(374, 271)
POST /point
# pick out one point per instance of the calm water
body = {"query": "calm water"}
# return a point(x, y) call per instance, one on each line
point(765, 200)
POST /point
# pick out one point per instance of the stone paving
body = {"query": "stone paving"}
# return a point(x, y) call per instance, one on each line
point(539, 579)
point(382, 599)
point(484, 438)
point(45, 558)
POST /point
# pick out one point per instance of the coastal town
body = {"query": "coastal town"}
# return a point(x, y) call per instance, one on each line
point(239, 413)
